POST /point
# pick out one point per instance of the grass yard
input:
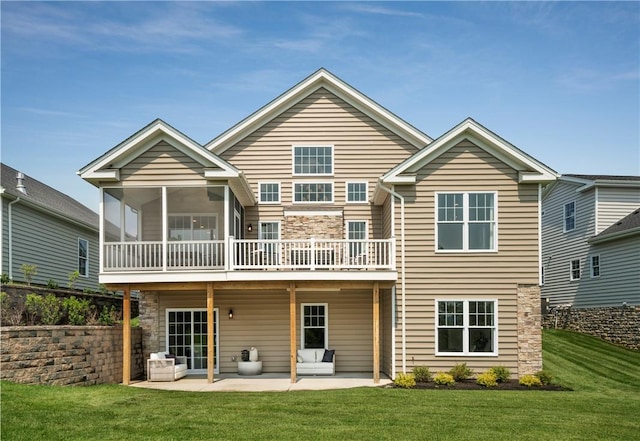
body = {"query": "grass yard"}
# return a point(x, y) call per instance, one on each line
point(604, 405)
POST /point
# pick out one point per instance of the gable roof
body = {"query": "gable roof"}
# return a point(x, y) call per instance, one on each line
point(47, 199)
point(530, 169)
point(627, 226)
point(107, 167)
point(322, 78)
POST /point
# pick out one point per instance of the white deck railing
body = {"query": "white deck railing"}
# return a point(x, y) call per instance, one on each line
point(243, 254)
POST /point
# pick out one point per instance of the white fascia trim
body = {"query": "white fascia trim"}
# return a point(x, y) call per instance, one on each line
point(402, 180)
point(525, 177)
point(219, 174)
point(614, 236)
point(322, 78)
point(608, 183)
point(483, 139)
point(102, 175)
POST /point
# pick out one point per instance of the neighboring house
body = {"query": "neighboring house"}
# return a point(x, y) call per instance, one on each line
point(591, 241)
point(46, 228)
point(323, 220)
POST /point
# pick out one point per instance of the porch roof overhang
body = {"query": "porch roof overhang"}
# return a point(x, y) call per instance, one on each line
point(234, 279)
point(106, 168)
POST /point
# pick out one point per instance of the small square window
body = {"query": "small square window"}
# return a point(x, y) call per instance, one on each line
point(356, 192)
point(269, 192)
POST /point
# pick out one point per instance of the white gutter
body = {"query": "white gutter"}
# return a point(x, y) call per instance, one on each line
point(402, 274)
point(9, 212)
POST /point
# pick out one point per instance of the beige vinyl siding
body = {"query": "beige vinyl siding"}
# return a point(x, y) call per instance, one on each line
point(478, 275)
point(263, 321)
point(559, 247)
point(362, 151)
point(614, 204)
point(159, 165)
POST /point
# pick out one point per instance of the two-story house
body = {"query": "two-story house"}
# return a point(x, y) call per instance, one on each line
point(591, 249)
point(322, 220)
point(46, 228)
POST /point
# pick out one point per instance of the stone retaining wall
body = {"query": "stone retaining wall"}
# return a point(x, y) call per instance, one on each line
point(67, 355)
point(619, 325)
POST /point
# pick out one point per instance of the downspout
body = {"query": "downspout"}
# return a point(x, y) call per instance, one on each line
point(9, 213)
point(402, 274)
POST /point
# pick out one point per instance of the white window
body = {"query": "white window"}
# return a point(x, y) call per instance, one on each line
point(467, 327)
point(357, 192)
point(269, 192)
point(356, 235)
point(574, 269)
point(313, 160)
point(466, 222)
point(595, 266)
point(315, 333)
point(569, 216)
point(83, 257)
point(313, 192)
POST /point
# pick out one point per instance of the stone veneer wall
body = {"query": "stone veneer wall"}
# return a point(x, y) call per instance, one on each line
point(529, 330)
point(149, 319)
point(67, 355)
point(326, 226)
point(619, 325)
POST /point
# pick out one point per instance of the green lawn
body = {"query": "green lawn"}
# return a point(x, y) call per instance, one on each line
point(604, 405)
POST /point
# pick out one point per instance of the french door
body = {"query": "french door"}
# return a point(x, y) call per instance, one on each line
point(187, 336)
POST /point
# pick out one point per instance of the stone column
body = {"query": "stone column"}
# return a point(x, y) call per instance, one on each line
point(529, 330)
point(149, 320)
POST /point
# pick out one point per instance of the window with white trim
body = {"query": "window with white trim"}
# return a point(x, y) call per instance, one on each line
point(357, 192)
point(466, 222)
point(569, 216)
point(467, 327)
point(269, 192)
point(595, 266)
point(83, 257)
point(574, 269)
point(270, 231)
point(313, 192)
point(313, 160)
point(315, 334)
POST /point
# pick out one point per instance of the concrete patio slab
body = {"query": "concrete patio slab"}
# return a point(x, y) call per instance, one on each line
point(264, 383)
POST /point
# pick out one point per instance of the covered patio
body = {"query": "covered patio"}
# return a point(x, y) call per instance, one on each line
point(264, 383)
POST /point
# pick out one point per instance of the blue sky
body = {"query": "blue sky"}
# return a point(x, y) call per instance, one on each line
point(558, 80)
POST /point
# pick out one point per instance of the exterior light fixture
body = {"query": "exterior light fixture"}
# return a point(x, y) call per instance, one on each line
point(230, 314)
point(249, 228)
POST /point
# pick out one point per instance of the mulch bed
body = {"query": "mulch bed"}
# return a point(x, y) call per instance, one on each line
point(472, 385)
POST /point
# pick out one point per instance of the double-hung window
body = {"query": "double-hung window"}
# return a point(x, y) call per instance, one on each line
point(466, 221)
point(467, 327)
point(595, 266)
point(312, 161)
point(574, 269)
point(356, 235)
point(83, 257)
point(315, 334)
point(569, 216)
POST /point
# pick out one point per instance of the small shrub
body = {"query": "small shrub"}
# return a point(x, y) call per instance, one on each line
point(108, 316)
point(29, 271)
point(501, 373)
point(73, 277)
point(444, 379)
point(422, 374)
point(52, 284)
point(77, 310)
point(33, 307)
point(530, 381)
point(4, 279)
point(51, 311)
point(545, 377)
point(11, 313)
point(487, 379)
point(406, 381)
point(460, 372)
